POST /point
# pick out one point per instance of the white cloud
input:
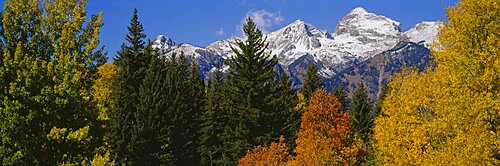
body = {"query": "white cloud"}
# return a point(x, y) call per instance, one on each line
point(220, 32)
point(263, 19)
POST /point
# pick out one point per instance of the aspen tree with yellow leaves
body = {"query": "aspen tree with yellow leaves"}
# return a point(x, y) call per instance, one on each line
point(448, 115)
point(48, 65)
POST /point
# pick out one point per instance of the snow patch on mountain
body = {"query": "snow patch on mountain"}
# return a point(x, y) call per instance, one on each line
point(424, 32)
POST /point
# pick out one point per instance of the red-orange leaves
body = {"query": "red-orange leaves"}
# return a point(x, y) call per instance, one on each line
point(323, 138)
point(276, 154)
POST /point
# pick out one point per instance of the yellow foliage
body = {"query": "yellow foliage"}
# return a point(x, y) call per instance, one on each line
point(448, 115)
point(100, 160)
point(104, 88)
point(57, 133)
point(301, 104)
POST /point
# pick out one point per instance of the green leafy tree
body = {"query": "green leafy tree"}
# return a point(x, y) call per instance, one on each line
point(48, 66)
point(312, 81)
point(361, 113)
point(132, 64)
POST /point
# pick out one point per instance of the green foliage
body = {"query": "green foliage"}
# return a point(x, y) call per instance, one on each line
point(251, 84)
point(215, 120)
point(361, 113)
point(48, 66)
point(151, 128)
point(341, 95)
point(286, 100)
point(132, 64)
point(181, 102)
point(380, 99)
point(312, 81)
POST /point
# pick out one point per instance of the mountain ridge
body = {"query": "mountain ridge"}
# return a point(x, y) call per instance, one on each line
point(357, 37)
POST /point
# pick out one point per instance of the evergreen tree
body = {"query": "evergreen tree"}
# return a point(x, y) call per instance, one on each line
point(132, 65)
point(380, 99)
point(185, 103)
point(341, 96)
point(286, 101)
point(361, 113)
point(312, 81)
point(151, 129)
point(194, 89)
point(214, 120)
point(251, 78)
point(48, 66)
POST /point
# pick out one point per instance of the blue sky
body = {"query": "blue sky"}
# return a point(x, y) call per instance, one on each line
point(201, 22)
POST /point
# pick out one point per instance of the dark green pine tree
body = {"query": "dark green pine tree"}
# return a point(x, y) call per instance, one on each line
point(151, 129)
point(380, 99)
point(132, 65)
point(361, 112)
point(214, 120)
point(194, 90)
point(251, 78)
point(312, 81)
point(185, 96)
point(341, 95)
point(285, 101)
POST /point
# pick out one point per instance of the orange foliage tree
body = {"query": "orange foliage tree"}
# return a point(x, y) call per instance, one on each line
point(324, 136)
point(276, 154)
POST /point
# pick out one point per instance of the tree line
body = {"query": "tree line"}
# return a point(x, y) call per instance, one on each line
point(62, 104)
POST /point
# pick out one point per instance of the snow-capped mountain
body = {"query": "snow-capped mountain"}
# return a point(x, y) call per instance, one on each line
point(425, 32)
point(365, 34)
point(359, 36)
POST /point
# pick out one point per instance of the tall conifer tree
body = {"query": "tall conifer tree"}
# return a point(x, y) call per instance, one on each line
point(285, 102)
point(312, 81)
point(251, 78)
point(361, 113)
point(380, 99)
point(151, 129)
point(214, 120)
point(341, 95)
point(132, 65)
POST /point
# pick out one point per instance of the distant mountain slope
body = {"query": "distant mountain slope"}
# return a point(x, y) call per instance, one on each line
point(378, 70)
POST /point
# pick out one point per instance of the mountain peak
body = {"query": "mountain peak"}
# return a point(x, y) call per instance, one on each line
point(366, 34)
point(165, 40)
point(298, 21)
point(297, 24)
point(358, 10)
